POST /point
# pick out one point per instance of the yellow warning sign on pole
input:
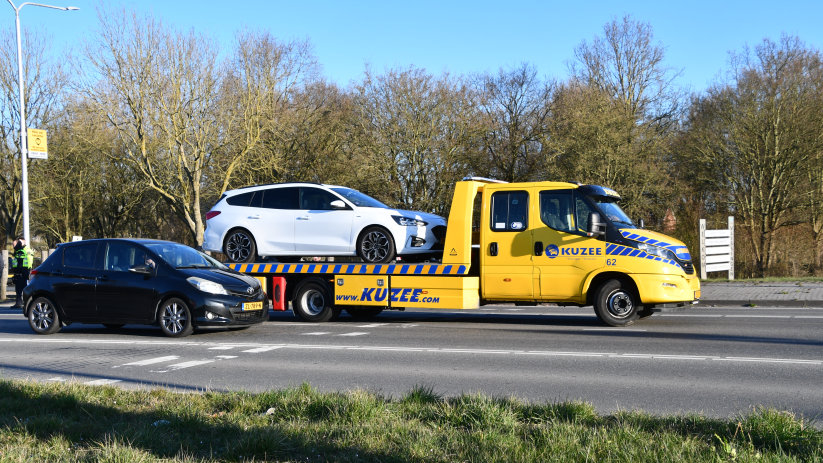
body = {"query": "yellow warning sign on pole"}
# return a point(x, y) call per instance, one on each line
point(38, 145)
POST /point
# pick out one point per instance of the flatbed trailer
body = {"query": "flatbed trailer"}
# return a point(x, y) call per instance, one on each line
point(534, 242)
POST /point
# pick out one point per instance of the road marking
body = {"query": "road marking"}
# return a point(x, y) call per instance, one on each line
point(142, 363)
point(435, 350)
point(372, 325)
point(258, 350)
point(180, 366)
point(101, 382)
point(618, 329)
point(758, 316)
point(221, 348)
point(57, 379)
point(316, 333)
point(355, 333)
point(225, 357)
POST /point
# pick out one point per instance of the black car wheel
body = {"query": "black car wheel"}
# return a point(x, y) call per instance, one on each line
point(43, 317)
point(240, 247)
point(376, 245)
point(175, 318)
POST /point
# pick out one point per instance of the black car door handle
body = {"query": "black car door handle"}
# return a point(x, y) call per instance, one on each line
point(103, 278)
point(538, 248)
point(493, 249)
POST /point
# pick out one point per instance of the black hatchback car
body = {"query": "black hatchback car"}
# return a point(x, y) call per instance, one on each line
point(120, 281)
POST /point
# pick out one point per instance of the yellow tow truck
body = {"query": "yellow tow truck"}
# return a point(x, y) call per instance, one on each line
point(559, 242)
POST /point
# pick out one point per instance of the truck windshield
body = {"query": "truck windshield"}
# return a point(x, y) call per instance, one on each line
point(357, 198)
point(609, 207)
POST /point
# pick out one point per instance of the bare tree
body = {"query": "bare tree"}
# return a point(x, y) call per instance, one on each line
point(513, 124)
point(410, 137)
point(259, 102)
point(44, 80)
point(159, 89)
point(762, 131)
point(614, 118)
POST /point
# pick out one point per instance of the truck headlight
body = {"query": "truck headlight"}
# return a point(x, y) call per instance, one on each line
point(207, 286)
point(656, 251)
point(408, 221)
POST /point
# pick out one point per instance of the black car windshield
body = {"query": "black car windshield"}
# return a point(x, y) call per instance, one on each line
point(610, 208)
point(357, 198)
point(182, 256)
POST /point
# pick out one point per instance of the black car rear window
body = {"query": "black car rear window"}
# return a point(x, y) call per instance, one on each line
point(80, 255)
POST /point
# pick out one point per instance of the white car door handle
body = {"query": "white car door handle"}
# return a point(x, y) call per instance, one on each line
point(305, 217)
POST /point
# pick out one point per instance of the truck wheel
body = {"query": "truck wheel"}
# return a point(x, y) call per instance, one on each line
point(364, 313)
point(240, 247)
point(312, 302)
point(375, 246)
point(616, 305)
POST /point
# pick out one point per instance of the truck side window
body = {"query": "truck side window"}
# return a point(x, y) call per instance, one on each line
point(510, 211)
point(557, 210)
point(582, 210)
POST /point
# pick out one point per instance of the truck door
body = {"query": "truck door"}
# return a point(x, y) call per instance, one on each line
point(507, 255)
point(568, 255)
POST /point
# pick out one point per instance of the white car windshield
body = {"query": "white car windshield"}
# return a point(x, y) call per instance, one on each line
point(181, 256)
point(357, 198)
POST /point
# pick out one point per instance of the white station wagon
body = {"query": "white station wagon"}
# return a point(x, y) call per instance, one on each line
point(291, 220)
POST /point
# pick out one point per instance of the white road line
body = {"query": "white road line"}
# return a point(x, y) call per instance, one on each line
point(101, 382)
point(225, 357)
point(617, 329)
point(152, 361)
point(355, 333)
point(372, 325)
point(222, 348)
point(316, 333)
point(57, 379)
point(757, 316)
point(258, 350)
point(809, 316)
point(180, 366)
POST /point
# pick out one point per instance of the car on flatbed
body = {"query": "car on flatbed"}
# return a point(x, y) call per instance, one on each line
point(288, 221)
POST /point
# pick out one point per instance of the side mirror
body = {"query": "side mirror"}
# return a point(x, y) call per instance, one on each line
point(338, 204)
point(596, 226)
point(141, 269)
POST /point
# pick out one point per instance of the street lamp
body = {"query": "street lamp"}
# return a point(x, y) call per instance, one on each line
point(23, 146)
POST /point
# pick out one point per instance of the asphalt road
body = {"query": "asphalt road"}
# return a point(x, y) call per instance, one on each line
point(718, 361)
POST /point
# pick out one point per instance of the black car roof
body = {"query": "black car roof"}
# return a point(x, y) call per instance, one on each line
point(127, 240)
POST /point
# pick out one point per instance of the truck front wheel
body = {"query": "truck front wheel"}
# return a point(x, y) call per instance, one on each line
point(312, 302)
point(615, 304)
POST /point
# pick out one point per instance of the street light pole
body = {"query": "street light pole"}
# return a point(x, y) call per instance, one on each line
point(23, 142)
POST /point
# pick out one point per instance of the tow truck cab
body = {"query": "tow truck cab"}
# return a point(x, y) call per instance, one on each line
point(570, 244)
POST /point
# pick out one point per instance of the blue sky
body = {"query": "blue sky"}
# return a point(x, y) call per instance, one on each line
point(460, 37)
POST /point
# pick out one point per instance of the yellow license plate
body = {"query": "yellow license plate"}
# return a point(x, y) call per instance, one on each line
point(252, 306)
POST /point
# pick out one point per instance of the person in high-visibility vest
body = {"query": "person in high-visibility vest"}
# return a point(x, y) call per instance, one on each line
point(22, 268)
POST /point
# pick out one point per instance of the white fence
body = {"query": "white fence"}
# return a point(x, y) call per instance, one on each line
point(717, 249)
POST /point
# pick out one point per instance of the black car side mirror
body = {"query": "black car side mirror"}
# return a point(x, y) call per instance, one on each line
point(142, 269)
point(596, 226)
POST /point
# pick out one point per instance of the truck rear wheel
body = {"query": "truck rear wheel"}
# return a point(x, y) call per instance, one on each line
point(312, 301)
point(615, 304)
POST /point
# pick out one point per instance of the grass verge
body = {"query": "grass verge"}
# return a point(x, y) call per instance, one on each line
point(73, 422)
